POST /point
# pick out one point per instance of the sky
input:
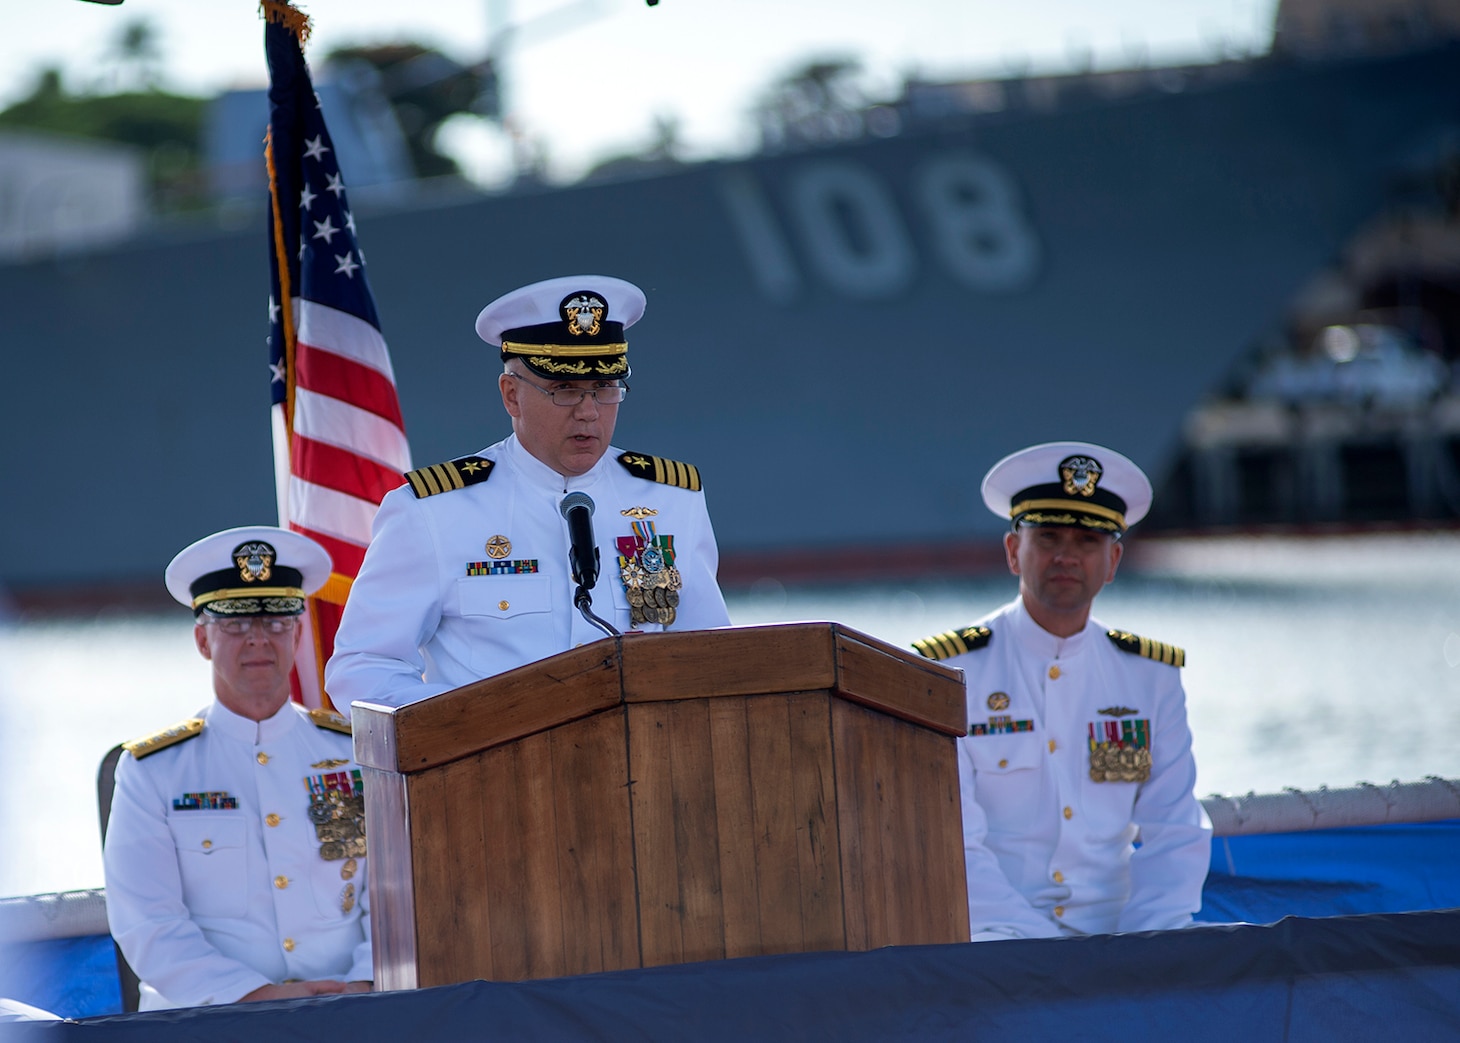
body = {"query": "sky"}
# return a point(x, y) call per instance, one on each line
point(587, 79)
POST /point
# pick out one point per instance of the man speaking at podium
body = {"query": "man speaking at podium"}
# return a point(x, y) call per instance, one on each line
point(468, 571)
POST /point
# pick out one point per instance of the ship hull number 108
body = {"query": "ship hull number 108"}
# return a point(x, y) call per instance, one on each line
point(850, 235)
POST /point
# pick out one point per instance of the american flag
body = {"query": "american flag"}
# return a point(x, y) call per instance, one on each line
point(339, 441)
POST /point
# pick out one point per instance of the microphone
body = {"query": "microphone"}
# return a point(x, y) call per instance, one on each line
point(583, 554)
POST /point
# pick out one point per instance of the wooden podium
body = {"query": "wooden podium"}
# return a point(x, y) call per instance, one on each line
point(662, 798)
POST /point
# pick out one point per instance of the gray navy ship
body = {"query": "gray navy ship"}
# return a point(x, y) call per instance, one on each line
point(842, 338)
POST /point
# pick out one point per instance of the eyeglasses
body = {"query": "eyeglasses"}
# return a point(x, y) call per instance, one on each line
point(240, 625)
point(608, 395)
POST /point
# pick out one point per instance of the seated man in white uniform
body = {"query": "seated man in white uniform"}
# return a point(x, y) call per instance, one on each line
point(467, 574)
point(1078, 747)
point(235, 851)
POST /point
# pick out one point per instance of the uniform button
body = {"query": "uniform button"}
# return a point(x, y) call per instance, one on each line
point(1069, 812)
point(262, 758)
point(1054, 672)
point(1059, 877)
point(504, 606)
point(1003, 764)
point(281, 882)
point(207, 844)
point(1052, 745)
point(288, 944)
point(1059, 910)
point(271, 819)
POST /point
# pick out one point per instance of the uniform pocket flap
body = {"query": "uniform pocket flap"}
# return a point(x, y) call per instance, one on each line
point(206, 834)
point(504, 596)
point(1001, 754)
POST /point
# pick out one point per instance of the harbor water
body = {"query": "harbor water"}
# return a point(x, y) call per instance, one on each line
point(1314, 661)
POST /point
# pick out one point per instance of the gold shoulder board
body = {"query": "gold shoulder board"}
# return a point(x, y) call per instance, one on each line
point(331, 720)
point(1160, 651)
point(953, 642)
point(443, 478)
point(180, 732)
point(665, 472)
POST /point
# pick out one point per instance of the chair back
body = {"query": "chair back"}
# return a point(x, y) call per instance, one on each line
point(105, 785)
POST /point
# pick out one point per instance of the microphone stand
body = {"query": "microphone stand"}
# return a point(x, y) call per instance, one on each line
point(584, 603)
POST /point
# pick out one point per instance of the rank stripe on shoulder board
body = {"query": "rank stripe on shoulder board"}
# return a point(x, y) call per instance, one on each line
point(331, 720)
point(953, 642)
point(179, 732)
point(1160, 651)
point(665, 472)
point(444, 478)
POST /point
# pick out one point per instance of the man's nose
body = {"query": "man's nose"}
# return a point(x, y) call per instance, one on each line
point(587, 407)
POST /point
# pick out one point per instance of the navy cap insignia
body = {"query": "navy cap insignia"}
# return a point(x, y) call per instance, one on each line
point(499, 547)
point(255, 561)
point(998, 701)
point(583, 312)
point(1080, 474)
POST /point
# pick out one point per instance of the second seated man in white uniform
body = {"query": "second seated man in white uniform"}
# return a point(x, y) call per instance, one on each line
point(1078, 746)
point(467, 574)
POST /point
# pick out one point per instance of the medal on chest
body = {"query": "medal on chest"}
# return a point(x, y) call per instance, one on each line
point(337, 809)
point(651, 582)
point(1120, 751)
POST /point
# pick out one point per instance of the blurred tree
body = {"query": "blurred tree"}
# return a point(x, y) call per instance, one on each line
point(136, 56)
point(168, 127)
point(661, 156)
point(425, 88)
point(817, 103)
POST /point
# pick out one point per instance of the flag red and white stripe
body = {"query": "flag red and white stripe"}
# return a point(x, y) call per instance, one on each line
point(339, 439)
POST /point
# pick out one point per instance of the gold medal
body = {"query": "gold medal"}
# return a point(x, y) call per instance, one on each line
point(1110, 762)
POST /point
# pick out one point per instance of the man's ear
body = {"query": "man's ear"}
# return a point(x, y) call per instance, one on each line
point(1117, 549)
point(510, 392)
point(200, 638)
point(1011, 551)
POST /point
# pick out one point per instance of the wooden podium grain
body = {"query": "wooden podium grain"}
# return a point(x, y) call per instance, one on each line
point(662, 798)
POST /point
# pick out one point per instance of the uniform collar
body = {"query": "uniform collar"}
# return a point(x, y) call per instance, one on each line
point(1040, 641)
point(540, 475)
point(271, 729)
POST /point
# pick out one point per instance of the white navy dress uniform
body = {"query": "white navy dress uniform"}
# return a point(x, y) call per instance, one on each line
point(1078, 746)
point(217, 880)
point(467, 574)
